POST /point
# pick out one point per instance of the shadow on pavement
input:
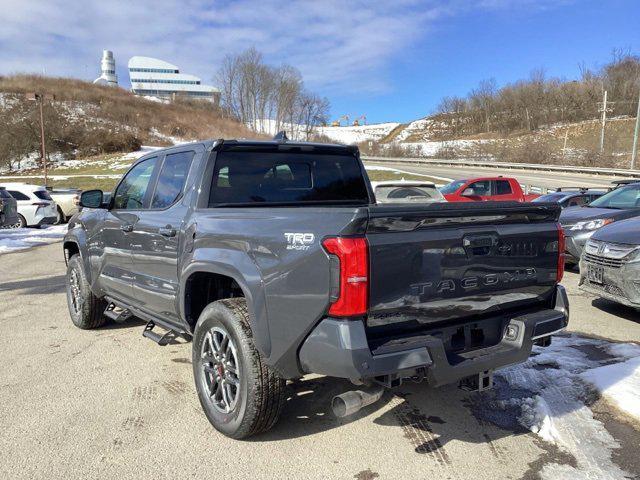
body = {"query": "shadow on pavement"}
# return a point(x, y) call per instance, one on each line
point(425, 414)
point(37, 286)
point(617, 309)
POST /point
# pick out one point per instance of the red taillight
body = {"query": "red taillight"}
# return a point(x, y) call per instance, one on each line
point(353, 293)
point(561, 245)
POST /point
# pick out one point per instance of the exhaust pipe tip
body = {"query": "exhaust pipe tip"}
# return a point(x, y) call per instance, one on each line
point(351, 402)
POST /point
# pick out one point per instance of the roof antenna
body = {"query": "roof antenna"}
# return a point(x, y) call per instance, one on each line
point(281, 136)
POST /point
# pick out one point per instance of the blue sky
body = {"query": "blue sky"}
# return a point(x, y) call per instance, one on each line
point(389, 60)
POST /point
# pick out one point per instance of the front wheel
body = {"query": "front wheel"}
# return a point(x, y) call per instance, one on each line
point(86, 310)
point(240, 395)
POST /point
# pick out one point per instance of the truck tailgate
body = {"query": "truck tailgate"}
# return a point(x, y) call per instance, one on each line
point(434, 263)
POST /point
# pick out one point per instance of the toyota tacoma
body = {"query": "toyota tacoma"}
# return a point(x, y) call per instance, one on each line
point(274, 259)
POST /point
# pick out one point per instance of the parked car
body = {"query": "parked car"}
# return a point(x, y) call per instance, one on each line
point(274, 258)
point(580, 223)
point(497, 189)
point(35, 205)
point(67, 201)
point(623, 182)
point(8, 209)
point(406, 192)
point(571, 197)
point(610, 263)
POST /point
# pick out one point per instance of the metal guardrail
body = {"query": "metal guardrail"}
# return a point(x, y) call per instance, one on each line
point(613, 172)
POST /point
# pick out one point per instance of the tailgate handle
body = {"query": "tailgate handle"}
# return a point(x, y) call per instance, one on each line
point(479, 244)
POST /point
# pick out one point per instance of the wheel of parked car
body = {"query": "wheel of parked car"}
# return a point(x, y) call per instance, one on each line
point(21, 223)
point(239, 393)
point(87, 310)
point(59, 217)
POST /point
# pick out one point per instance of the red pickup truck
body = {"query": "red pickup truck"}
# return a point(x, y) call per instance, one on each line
point(495, 189)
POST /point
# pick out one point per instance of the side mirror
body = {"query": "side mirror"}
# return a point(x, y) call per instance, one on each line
point(468, 192)
point(92, 199)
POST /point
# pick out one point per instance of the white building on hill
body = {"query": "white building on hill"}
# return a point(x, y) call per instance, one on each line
point(108, 68)
point(157, 78)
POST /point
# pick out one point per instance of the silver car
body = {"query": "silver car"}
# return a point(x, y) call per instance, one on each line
point(610, 263)
point(403, 191)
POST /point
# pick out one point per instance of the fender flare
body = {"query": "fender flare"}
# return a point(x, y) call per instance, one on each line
point(250, 282)
point(78, 236)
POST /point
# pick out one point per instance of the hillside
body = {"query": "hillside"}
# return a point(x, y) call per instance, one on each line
point(84, 120)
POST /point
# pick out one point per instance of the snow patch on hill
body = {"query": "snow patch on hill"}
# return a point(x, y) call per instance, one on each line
point(348, 135)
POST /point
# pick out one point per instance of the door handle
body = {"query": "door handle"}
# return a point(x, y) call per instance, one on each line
point(167, 231)
point(127, 227)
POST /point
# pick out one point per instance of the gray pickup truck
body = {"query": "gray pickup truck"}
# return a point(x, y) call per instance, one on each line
point(274, 258)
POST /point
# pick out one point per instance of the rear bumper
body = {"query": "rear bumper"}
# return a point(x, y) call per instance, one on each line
point(47, 221)
point(339, 348)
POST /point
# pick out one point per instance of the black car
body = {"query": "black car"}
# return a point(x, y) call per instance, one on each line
point(580, 223)
point(571, 197)
point(8, 209)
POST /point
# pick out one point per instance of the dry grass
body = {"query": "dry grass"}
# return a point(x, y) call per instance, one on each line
point(189, 119)
point(86, 119)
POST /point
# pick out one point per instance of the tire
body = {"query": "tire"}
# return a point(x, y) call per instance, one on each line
point(259, 391)
point(86, 310)
point(22, 222)
point(60, 218)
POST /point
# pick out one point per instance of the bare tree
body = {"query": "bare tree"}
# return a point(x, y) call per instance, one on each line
point(269, 98)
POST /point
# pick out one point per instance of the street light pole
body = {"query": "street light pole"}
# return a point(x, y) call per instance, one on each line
point(40, 98)
point(44, 151)
point(635, 137)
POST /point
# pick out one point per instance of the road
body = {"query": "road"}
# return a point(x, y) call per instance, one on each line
point(550, 179)
point(108, 403)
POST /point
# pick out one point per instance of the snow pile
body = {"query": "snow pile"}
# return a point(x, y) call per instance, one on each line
point(550, 395)
point(619, 383)
point(13, 240)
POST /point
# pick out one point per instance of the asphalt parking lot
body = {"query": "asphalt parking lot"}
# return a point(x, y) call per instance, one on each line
point(109, 403)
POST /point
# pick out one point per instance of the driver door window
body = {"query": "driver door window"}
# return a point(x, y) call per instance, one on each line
point(133, 188)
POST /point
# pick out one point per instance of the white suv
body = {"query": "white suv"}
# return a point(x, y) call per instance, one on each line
point(35, 205)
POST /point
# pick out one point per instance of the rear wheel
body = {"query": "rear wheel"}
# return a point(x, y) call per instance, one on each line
point(85, 308)
point(239, 393)
point(21, 223)
point(60, 218)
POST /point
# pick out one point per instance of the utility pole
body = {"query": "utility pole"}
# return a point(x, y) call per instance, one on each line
point(604, 119)
point(635, 137)
point(40, 98)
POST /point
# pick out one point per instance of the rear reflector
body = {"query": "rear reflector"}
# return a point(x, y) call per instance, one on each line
point(561, 246)
point(353, 258)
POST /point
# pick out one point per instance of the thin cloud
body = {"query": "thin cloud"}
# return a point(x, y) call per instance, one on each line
point(337, 45)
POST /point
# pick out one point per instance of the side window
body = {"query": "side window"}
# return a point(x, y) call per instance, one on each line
point(18, 195)
point(172, 179)
point(503, 187)
point(131, 191)
point(578, 201)
point(482, 188)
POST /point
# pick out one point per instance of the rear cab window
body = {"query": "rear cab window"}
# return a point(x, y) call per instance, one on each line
point(284, 177)
point(503, 187)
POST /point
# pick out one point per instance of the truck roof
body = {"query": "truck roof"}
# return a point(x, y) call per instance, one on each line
point(241, 142)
